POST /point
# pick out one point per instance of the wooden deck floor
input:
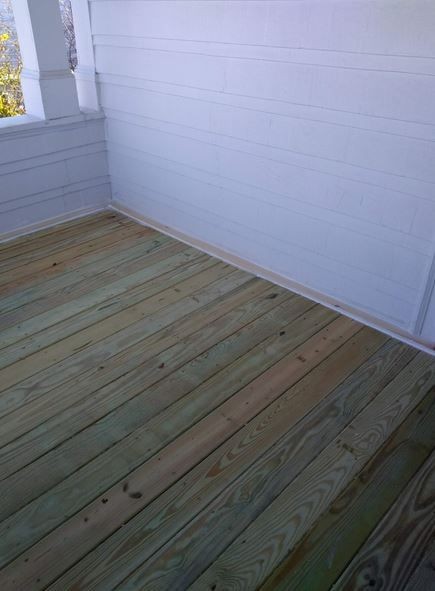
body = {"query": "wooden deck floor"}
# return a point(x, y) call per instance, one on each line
point(168, 422)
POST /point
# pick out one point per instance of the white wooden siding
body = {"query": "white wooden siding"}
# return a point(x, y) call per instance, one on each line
point(299, 135)
point(51, 171)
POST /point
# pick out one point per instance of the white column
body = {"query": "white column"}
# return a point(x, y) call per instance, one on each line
point(48, 85)
point(85, 70)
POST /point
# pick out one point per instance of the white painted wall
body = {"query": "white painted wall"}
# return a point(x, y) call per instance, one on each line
point(298, 135)
point(51, 171)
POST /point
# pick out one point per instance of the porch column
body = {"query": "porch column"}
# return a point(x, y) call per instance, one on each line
point(85, 70)
point(48, 85)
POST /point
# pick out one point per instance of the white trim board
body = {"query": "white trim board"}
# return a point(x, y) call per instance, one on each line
point(278, 279)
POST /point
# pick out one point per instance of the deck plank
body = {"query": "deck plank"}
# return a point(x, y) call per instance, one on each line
point(170, 422)
point(126, 405)
point(164, 468)
point(67, 319)
point(100, 265)
point(55, 234)
point(37, 313)
point(423, 579)
point(60, 241)
point(396, 546)
point(98, 342)
point(76, 268)
point(217, 412)
point(119, 321)
point(300, 505)
point(64, 260)
point(322, 555)
point(173, 510)
point(166, 333)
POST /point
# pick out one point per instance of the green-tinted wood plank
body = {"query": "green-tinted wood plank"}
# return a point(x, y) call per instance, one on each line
point(320, 558)
point(423, 578)
point(287, 519)
point(67, 259)
point(35, 313)
point(127, 404)
point(21, 420)
point(67, 319)
point(36, 250)
point(148, 439)
point(165, 329)
point(53, 234)
point(183, 558)
point(121, 329)
point(77, 269)
point(395, 548)
point(161, 520)
point(186, 451)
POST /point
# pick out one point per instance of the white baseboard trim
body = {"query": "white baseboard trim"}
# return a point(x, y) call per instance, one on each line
point(50, 222)
point(280, 280)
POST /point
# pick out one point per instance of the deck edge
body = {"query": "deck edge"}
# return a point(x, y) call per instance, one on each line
point(282, 281)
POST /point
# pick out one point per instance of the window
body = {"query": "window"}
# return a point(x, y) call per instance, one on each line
point(11, 96)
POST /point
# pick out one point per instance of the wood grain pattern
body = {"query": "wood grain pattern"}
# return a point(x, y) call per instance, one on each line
point(97, 344)
point(396, 547)
point(187, 449)
point(289, 456)
point(55, 243)
point(126, 405)
point(71, 317)
point(299, 506)
point(55, 235)
point(163, 518)
point(119, 322)
point(128, 372)
point(101, 265)
point(423, 578)
point(324, 553)
point(30, 315)
point(167, 422)
point(70, 258)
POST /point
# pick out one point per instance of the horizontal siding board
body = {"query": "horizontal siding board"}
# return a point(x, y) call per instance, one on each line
point(353, 286)
point(52, 141)
point(200, 140)
point(39, 178)
point(317, 114)
point(70, 201)
point(353, 91)
point(307, 24)
point(298, 255)
point(43, 196)
point(309, 57)
point(23, 165)
point(280, 183)
point(298, 135)
point(52, 171)
point(363, 148)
